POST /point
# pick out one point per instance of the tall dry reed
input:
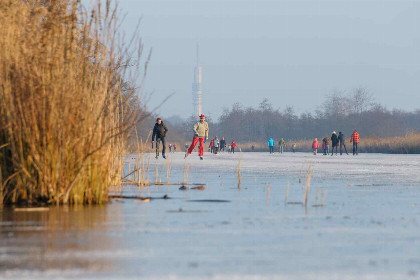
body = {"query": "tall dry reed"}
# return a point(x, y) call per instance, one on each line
point(65, 104)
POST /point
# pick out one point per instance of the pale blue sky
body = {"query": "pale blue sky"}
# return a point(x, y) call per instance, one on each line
point(291, 52)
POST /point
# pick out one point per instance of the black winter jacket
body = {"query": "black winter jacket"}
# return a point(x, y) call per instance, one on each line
point(334, 140)
point(341, 138)
point(159, 131)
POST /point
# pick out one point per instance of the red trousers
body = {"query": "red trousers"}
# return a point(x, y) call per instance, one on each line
point(200, 149)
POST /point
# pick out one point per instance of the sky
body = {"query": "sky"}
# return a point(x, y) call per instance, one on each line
point(292, 52)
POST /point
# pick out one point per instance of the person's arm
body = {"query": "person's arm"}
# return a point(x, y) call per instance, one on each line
point(207, 131)
point(165, 128)
point(195, 129)
point(154, 133)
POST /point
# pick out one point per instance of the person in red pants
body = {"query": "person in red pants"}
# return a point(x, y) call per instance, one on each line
point(201, 134)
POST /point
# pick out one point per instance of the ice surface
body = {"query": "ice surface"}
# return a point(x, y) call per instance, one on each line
point(368, 228)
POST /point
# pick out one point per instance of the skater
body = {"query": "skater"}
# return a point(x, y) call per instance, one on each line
point(326, 145)
point(186, 146)
point(170, 147)
point(282, 144)
point(233, 146)
point(216, 144)
point(174, 148)
point(222, 144)
point(201, 134)
point(342, 141)
point(212, 146)
point(355, 138)
point(159, 132)
point(229, 148)
point(294, 148)
point(270, 144)
point(315, 146)
point(252, 148)
point(334, 143)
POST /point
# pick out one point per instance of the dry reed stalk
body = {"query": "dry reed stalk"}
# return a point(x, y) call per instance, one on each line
point(239, 168)
point(286, 197)
point(65, 108)
point(307, 186)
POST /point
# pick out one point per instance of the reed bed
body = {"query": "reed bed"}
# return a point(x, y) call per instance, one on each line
point(66, 102)
point(406, 144)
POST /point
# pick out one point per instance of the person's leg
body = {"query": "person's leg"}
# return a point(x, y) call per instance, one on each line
point(163, 146)
point(341, 148)
point(201, 148)
point(233, 150)
point(192, 146)
point(157, 147)
point(345, 148)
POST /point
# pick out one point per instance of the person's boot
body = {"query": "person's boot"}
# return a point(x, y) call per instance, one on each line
point(201, 157)
point(164, 156)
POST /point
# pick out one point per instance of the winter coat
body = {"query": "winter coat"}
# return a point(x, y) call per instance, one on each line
point(159, 131)
point(327, 141)
point(341, 138)
point(355, 137)
point(222, 143)
point(270, 142)
point(315, 145)
point(201, 129)
point(334, 139)
point(216, 143)
point(233, 145)
point(282, 142)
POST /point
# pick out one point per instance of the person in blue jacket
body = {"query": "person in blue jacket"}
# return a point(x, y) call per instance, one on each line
point(270, 144)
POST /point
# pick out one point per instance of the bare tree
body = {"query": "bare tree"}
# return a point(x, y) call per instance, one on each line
point(361, 100)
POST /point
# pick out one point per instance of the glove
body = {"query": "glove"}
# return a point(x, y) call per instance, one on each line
point(152, 144)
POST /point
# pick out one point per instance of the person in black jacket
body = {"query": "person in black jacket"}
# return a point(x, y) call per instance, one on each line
point(334, 143)
point(342, 140)
point(159, 132)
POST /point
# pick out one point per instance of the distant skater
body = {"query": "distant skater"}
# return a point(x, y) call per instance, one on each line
point(201, 134)
point(282, 144)
point(233, 146)
point(342, 141)
point(334, 143)
point(216, 144)
point(355, 138)
point(270, 144)
point(326, 145)
point(222, 144)
point(170, 148)
point(174, 147)
point(159, 133)
point(315, 146)
point(294, 148)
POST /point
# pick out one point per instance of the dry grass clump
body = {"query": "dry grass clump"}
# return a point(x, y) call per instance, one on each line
point(65, 107)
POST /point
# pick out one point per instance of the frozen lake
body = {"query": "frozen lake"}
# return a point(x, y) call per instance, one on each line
point(368, 226)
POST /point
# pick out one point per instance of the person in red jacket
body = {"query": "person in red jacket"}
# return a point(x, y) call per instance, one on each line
point(233, 146)
point(355, 138)
point(315, 146)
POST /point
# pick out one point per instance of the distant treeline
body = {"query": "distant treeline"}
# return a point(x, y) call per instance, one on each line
point(340, 111)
